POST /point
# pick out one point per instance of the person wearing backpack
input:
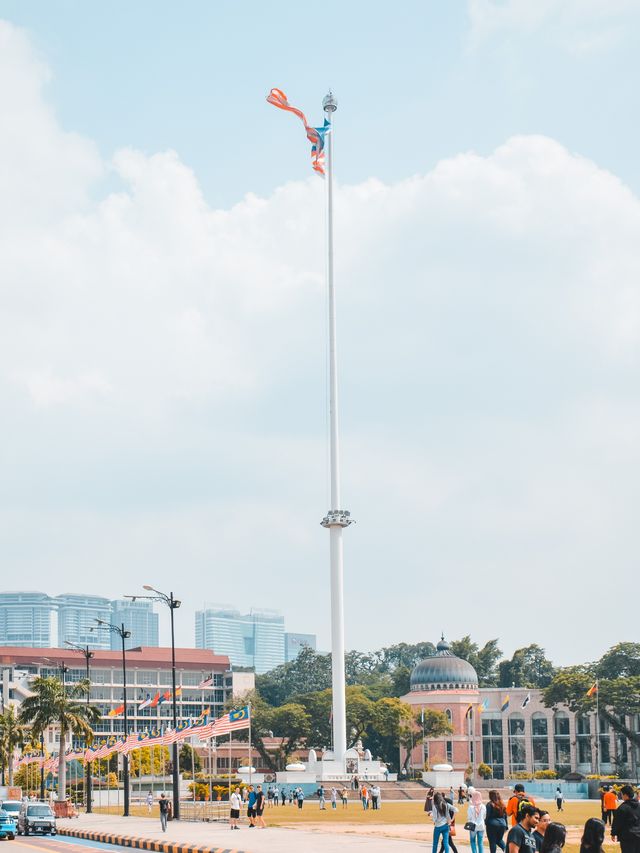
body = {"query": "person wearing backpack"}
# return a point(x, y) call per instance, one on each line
point(626, 822)
point(516, 803)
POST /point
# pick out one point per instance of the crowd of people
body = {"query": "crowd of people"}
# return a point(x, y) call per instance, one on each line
point(528, 828)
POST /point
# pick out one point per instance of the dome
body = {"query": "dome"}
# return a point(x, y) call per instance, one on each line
point(443, 671)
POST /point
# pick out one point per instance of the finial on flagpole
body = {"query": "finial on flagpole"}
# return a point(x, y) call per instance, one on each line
point(329, 103)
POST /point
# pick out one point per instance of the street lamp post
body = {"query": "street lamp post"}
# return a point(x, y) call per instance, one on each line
point(122, 632)
point(173, 604)
point(88, 654)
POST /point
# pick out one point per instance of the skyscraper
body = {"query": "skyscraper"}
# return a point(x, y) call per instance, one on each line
point(76, 620)
point(137, 617)
point(254, 639)
point(25, 619)
point(294, 643)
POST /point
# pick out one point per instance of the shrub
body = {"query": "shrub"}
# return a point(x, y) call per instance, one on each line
point(545, 774)
point(485, 771)
point(520, 774)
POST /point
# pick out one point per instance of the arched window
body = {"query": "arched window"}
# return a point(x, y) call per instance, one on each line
point(517, 753)
point(562, 742)
point(540, 741)
point(449, 715)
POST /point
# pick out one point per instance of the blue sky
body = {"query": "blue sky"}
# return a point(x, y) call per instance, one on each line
point(162, 341)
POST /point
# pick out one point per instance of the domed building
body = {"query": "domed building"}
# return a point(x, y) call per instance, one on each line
point(447, 683)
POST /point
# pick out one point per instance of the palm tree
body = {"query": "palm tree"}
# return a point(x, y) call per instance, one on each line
point(12, 735)
point(53, 703)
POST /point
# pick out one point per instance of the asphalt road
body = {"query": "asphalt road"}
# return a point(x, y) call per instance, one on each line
point(57, 844)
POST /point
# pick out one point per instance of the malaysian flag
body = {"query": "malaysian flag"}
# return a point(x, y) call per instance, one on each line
point(315, 135)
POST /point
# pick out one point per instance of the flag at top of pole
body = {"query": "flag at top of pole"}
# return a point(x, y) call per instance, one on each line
point(315, 135)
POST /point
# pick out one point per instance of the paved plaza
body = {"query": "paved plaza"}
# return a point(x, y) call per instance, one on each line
point(368, 838)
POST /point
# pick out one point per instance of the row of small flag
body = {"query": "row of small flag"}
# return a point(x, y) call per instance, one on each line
point(149, 702)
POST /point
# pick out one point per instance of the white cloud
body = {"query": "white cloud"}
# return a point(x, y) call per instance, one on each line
point(171, 356)
point(581, 26)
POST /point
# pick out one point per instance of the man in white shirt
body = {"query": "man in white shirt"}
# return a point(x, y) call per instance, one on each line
point(235, 803)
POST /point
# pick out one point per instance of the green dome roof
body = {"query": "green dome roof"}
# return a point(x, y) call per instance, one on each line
point(443, 671)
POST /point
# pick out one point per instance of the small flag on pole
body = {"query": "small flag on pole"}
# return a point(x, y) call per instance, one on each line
point(468, 712)
point(146, 703)
point(483, 706)
point(315, 135)
point(206, 683)
point(505, 703)
point(593, 689)
point(115, 712)
point(154, 702)
point(526, 700)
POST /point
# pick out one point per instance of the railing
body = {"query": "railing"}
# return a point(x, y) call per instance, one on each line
point(204, 811)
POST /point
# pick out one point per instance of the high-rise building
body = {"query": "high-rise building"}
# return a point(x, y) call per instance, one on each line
point(255, 639)
point(25, 619)
point(76, 620)
point(137, 617)
point(294, 643)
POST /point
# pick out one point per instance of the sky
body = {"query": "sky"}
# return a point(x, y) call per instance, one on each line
point(163, 390)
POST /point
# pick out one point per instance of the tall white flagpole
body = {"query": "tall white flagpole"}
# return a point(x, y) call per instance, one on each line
point(337, 518)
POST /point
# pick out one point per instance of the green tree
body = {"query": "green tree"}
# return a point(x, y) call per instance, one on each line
point(390, 718)
point(309, 672)
point(188, 759)
point(13, 734)
point(484, 660)
point(621, 661)
point(436, 724)
point(289, 725)
point(50, 704)
point(528, 667)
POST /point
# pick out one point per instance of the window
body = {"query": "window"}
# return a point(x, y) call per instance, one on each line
point(492, 749)
point(147, 676)
point(583, 741)
point(517, 753)
point(449, 716)
point(449, 752)
point(540, 741)
point(192, 678)
point(562, 744)
point(604, 730)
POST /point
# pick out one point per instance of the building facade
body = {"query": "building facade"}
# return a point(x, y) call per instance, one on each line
point(28, 619)
point(148, 672)
point(138, 617)
point(25, 619)
point(255, 639)
point(76, 619)
point(509, 729)
point(294, 643)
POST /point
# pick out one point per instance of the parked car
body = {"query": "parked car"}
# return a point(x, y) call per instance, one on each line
point(36, 817)
point(7, 826)
point(12, 808)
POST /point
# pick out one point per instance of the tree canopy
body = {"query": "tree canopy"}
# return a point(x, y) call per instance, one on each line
point(529, 667)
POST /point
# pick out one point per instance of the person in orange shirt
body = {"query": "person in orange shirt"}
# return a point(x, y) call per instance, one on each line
point(609, 805)
point(518, 799)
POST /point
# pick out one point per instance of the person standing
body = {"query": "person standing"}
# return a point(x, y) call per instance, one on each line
point(364, 796)
point(149, 802)
point(251, 806)
point(164, 812)
point(300, 797)
point(460, 795)
point(592, 836)
point(609, 805)
point(276, 796)
point(520, 838)
point(283, 796)
point(539, 832)
point(559, 799)
point(334, 797)
point(517, 802)
point(476, 815)
point(235, 804)
point(554, 838)
point(344, 796)
point(626, 822)
point(260, 808)
point(496, 821)
point(442, 814)
point(322, 798)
